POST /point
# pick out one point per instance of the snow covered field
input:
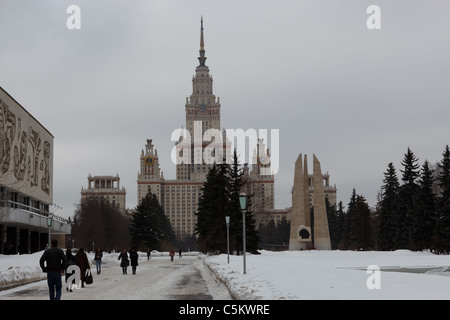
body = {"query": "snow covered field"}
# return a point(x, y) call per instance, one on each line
point(299, 275)
point(335, 275)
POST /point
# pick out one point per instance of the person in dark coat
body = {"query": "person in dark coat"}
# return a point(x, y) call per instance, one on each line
point(70, 262)
point(98, 260)
point(53, 262)
point(125, 262)
point(83, 264)
point(134, 257)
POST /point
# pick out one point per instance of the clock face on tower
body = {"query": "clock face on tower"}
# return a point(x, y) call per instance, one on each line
point(149, 161)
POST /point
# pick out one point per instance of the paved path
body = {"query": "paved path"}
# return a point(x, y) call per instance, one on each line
point(185, 278)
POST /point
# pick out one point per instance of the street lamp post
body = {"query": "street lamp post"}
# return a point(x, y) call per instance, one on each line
point(227, 221)
point(243, 203)
point(49, 225)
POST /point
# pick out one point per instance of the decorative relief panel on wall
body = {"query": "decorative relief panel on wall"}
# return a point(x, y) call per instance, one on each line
point(24, 152)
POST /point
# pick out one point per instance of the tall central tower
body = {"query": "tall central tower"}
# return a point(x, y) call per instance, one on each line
point(202, 113)
point(202, 105)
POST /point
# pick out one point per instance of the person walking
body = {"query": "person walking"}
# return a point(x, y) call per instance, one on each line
point(179, 252)
point(53, 262)
point(134, 257)
point(148, 254)
point(70, 262)
point(83, 264)
point(171, 253)
point(125, 262)
point(98, 260)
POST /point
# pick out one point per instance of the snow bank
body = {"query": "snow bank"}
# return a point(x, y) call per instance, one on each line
point(19, 269)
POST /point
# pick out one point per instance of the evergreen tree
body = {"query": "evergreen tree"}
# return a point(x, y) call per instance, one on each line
point(267, 232)
point(347, 237)
point(442, 233)
point(387, 209)
point(333, 226)
point(357, 225)
point(425, 221)
point(283, 231)
point(339, 223)
point(149, 226)
point(214, 206)
point(361, 225)
point(220, 198)
point(252, 235)
point(407, 197)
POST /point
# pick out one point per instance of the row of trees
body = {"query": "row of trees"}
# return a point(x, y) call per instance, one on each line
point(97, 223)
point(412, 214)
point(275, 235)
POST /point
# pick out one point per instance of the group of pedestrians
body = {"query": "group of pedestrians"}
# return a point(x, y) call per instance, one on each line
point(79, 259)
point(125, 262)
point(55, 263)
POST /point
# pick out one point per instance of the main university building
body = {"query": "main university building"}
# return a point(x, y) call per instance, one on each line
point(179, 197)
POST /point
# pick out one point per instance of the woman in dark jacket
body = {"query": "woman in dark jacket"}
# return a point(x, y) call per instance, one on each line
point(134, 257)
point(125, 262)
point(98, 260)
point(83, 264)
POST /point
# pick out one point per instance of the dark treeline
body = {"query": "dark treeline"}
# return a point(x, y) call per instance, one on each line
point(97, 223)
point(275, 235)
point(412, 212)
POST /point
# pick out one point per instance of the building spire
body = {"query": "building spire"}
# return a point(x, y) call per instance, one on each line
point(202, 57)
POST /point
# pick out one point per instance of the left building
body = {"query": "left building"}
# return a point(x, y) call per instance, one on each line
point(106, 188)
point(26, 181)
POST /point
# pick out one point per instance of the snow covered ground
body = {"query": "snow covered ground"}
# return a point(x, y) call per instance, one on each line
point(335, 275)
point(299, 275)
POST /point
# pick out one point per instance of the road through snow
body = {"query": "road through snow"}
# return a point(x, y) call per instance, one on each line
point(185, 278)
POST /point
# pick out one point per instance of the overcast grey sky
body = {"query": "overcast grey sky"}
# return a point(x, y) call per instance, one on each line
point(355, 97)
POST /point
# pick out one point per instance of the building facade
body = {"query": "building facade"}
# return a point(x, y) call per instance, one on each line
point(26, 180)
point(106, 188)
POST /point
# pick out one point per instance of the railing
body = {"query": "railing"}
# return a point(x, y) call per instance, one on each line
point(17, 205)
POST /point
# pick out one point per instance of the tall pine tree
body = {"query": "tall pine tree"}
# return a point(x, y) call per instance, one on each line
point(220, 198)
point(407, 198)
point(149, 226)
point(347, 236)
point(442, 233)
point(423, 224)
point(387, 210)
point(213, 207)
